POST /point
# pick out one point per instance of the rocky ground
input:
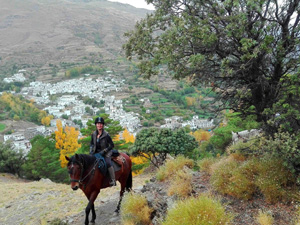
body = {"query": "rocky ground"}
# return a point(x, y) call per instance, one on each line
point(40, 202)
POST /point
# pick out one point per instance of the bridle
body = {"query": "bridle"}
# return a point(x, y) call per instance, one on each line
point(81, 165)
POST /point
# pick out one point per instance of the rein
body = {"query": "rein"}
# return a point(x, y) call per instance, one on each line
point(81, 173)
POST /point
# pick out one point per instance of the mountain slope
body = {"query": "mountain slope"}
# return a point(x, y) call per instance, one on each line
point(36, 33)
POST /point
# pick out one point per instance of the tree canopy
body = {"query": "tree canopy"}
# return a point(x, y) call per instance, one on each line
point(242, 48)
point(155, 144)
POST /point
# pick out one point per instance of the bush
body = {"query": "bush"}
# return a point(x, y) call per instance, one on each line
point(197, 211)
point(172, 166)
point(286, 147)
point(272, 180)
point(241, 178)
point(234, 177)
point(181, 184)
point(135, 210)
point(206, 163)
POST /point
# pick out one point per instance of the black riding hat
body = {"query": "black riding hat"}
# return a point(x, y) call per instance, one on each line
point(99, 120)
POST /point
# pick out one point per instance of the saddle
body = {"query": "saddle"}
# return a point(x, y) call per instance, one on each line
point(117, 161)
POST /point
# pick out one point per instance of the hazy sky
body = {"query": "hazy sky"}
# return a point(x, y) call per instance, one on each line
point(136, 3)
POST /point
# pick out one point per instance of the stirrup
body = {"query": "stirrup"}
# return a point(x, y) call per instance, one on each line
point(112, 182)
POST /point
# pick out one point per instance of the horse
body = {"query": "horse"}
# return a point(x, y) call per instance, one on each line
point(85, 174)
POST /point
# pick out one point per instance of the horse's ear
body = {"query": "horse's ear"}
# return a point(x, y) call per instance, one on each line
point(76, 156)
point(67, 158)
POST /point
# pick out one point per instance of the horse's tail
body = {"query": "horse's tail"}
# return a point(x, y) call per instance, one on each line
point(129, 182)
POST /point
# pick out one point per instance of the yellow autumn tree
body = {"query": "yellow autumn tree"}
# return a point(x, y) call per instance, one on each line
point(128, 137)
point(46, 120)
point(201, 135)
point(190, 101)
point(66, 141)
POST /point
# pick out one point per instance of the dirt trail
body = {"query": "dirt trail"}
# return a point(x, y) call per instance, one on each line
point(39, 202)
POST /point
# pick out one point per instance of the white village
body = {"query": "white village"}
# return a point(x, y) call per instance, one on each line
point(69, 104)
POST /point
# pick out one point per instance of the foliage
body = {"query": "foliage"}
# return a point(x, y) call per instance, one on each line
point(20, 108)
point(2, 127)
point(135, 210)
point(201, 135)
point(66, 141)
point(139, 163)
point(156, 143)
point(77, 71)
point(46, 120)
point(240, 48)
point(168, 171)
point(128, 137)
point(43, 161)
point(285, 113)
point(222, 135)
point(11, 161)
point(198, 211)
point(113, 127)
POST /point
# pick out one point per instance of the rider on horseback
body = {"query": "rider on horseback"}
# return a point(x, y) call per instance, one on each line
point(101, 142)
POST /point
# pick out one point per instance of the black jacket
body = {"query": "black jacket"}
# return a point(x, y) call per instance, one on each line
point(104, 145)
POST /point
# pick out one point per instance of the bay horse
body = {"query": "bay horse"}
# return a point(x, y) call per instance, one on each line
point(85, 174)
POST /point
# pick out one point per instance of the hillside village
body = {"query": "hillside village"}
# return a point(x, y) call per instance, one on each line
point(69, 104)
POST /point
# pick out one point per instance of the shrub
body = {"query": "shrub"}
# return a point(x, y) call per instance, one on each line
point(221, 174)
point(264, 218)
point(206, 164)
point(249, 148)
point(286, 147)
point(172, 166)
point(197, 211)
point(181, 184)
point(234, 177)
point(135, 210)
point(273, 178)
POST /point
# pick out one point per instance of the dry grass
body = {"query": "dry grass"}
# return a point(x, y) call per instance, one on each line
point(198, 211)
point(181, 184)
point(42, 201)
point(265, 218)
point(272, 180)
point(172, 166)
point(206, 163)
point(135, 210)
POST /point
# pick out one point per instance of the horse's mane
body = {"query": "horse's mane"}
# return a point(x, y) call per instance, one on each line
point(86, 160)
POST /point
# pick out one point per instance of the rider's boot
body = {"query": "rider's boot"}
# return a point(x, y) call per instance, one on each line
point(111, 172)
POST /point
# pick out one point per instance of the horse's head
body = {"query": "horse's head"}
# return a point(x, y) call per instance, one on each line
point(75, 169)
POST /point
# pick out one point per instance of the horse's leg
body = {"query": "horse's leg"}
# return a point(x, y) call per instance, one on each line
point(123, 185)
point(93, 213)
point(90, 207)
point(87, 212)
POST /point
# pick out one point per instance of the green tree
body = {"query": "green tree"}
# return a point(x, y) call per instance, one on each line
point(43, 161)
point(240, 48)
point(155, 144)
point(11, 161)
